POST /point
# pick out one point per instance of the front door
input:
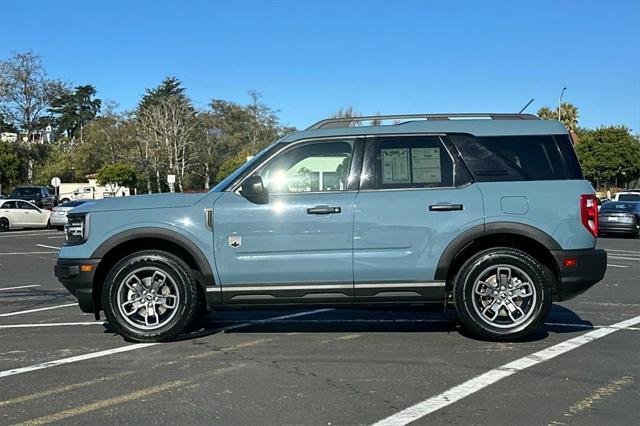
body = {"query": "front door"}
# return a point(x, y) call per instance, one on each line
point(31, 215)
point(413, 203)
point(297, 246)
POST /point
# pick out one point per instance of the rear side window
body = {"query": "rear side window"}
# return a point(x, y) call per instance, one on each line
point(629, 197)
point(412, 162)
point(518, 158)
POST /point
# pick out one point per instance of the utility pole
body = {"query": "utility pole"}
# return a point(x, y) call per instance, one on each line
point(560, 103)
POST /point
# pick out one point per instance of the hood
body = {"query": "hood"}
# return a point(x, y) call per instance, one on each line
point(138, 202)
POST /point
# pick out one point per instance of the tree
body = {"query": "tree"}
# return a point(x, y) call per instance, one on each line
point(9, 165)
point(347, 112)
point(609, 154)
point(26, 92)
point(118, 175)
point(169, 125)
point(73, 110)
point(169, 87)
point(568, 115)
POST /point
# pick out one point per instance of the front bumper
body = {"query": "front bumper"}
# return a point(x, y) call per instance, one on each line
point(79, 283)
point(590, 267)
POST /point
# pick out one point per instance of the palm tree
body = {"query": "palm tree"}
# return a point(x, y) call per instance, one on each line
point(568, 115)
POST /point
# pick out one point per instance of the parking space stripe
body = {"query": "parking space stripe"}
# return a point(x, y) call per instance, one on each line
point(110, 402)
point(16, 253)
point(299, 314)
point(20, 286)
point(624, 258)
point(484, 380)
point(617, 266)
point(37, 310)
point(46, 246)
point(55, 324)
point(73, 359)
point(625, 251)
point(133, 347)
point(61, 389)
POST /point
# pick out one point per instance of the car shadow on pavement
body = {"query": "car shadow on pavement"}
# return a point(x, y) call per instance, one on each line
point(365, 320)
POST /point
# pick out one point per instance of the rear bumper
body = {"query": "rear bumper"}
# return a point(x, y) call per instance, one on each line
point(590, 267)
point(79, 283)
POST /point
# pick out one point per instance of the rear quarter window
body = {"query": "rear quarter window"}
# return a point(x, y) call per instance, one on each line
point(518, 158)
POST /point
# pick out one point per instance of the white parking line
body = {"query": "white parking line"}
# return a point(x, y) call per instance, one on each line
point(484, 380)
point(618, 266)
point(20, 286)
point(23, 234)
point(623, 258)
point(53, 324)
point(128, 348)
point(77, 358)
point(28, 252)
point(625, 251)
point(45, 246)
point(37, 310)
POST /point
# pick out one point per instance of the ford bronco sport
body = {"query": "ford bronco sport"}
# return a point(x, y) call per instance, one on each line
point(489, 213)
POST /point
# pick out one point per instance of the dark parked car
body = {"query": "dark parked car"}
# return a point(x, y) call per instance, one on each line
point(38, 195)
point(619, 217)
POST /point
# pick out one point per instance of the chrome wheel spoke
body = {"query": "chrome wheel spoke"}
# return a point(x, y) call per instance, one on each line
point(148, 298)
point(504, 296)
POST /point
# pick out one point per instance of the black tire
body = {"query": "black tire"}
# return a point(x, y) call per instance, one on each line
point(469, 303)
point(4, 224)
point(179, 277)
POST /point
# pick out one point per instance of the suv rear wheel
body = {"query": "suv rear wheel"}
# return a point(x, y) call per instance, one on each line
point(149, 296)
point(502, 294)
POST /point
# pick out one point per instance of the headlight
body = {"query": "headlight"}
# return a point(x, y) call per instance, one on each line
point(76, 230)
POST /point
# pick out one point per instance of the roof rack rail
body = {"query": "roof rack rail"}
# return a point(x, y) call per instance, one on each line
point(351, 121)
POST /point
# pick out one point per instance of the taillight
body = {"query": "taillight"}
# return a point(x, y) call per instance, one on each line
point(589, 213)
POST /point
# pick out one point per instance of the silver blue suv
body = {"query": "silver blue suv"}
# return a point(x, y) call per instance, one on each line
point(488, 213)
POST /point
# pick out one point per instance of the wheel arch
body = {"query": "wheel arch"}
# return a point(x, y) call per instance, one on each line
point(127, 242)
point(527, 238)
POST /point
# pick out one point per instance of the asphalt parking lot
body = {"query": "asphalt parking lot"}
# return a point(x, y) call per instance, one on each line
point(314, 366)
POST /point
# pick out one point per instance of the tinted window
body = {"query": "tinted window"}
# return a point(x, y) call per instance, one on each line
point(311, 167)
point(518, 158)
point(10, 205)
point(629, 197)
point(619, 207)
point(26, 206)
point(25, 192)
point(72, 203)
point(412, 162)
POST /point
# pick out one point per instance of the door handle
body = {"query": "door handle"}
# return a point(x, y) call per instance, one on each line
point(324, 210)
point(445, 207)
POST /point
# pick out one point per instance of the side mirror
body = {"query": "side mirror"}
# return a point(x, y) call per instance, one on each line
point(253, 190)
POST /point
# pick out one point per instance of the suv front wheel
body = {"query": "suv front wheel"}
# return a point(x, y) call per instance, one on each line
point(502, 294)
point(149, 296)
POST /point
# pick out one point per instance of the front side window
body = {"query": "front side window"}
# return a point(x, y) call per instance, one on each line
point(26, 206)
point(310, 167)
point(412, 162)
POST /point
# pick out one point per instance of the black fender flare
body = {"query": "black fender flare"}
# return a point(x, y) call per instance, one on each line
point(162, 234)
point(493, 228)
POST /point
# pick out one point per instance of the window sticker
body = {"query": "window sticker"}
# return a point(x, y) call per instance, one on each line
point(425, 165)
point(395, 166)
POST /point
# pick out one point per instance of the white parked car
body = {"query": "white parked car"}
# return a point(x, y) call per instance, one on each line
point(16, 214)
point(59, 213)
point(627, 196)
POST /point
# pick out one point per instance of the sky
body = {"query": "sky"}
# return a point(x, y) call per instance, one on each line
point(310, 58)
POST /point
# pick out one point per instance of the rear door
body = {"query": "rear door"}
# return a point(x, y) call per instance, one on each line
point(415, 198)
point(10, 210)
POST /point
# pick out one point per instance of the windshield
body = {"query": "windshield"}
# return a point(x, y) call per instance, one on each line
point(25, 192)
point(226, 181)
point(618, 207)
